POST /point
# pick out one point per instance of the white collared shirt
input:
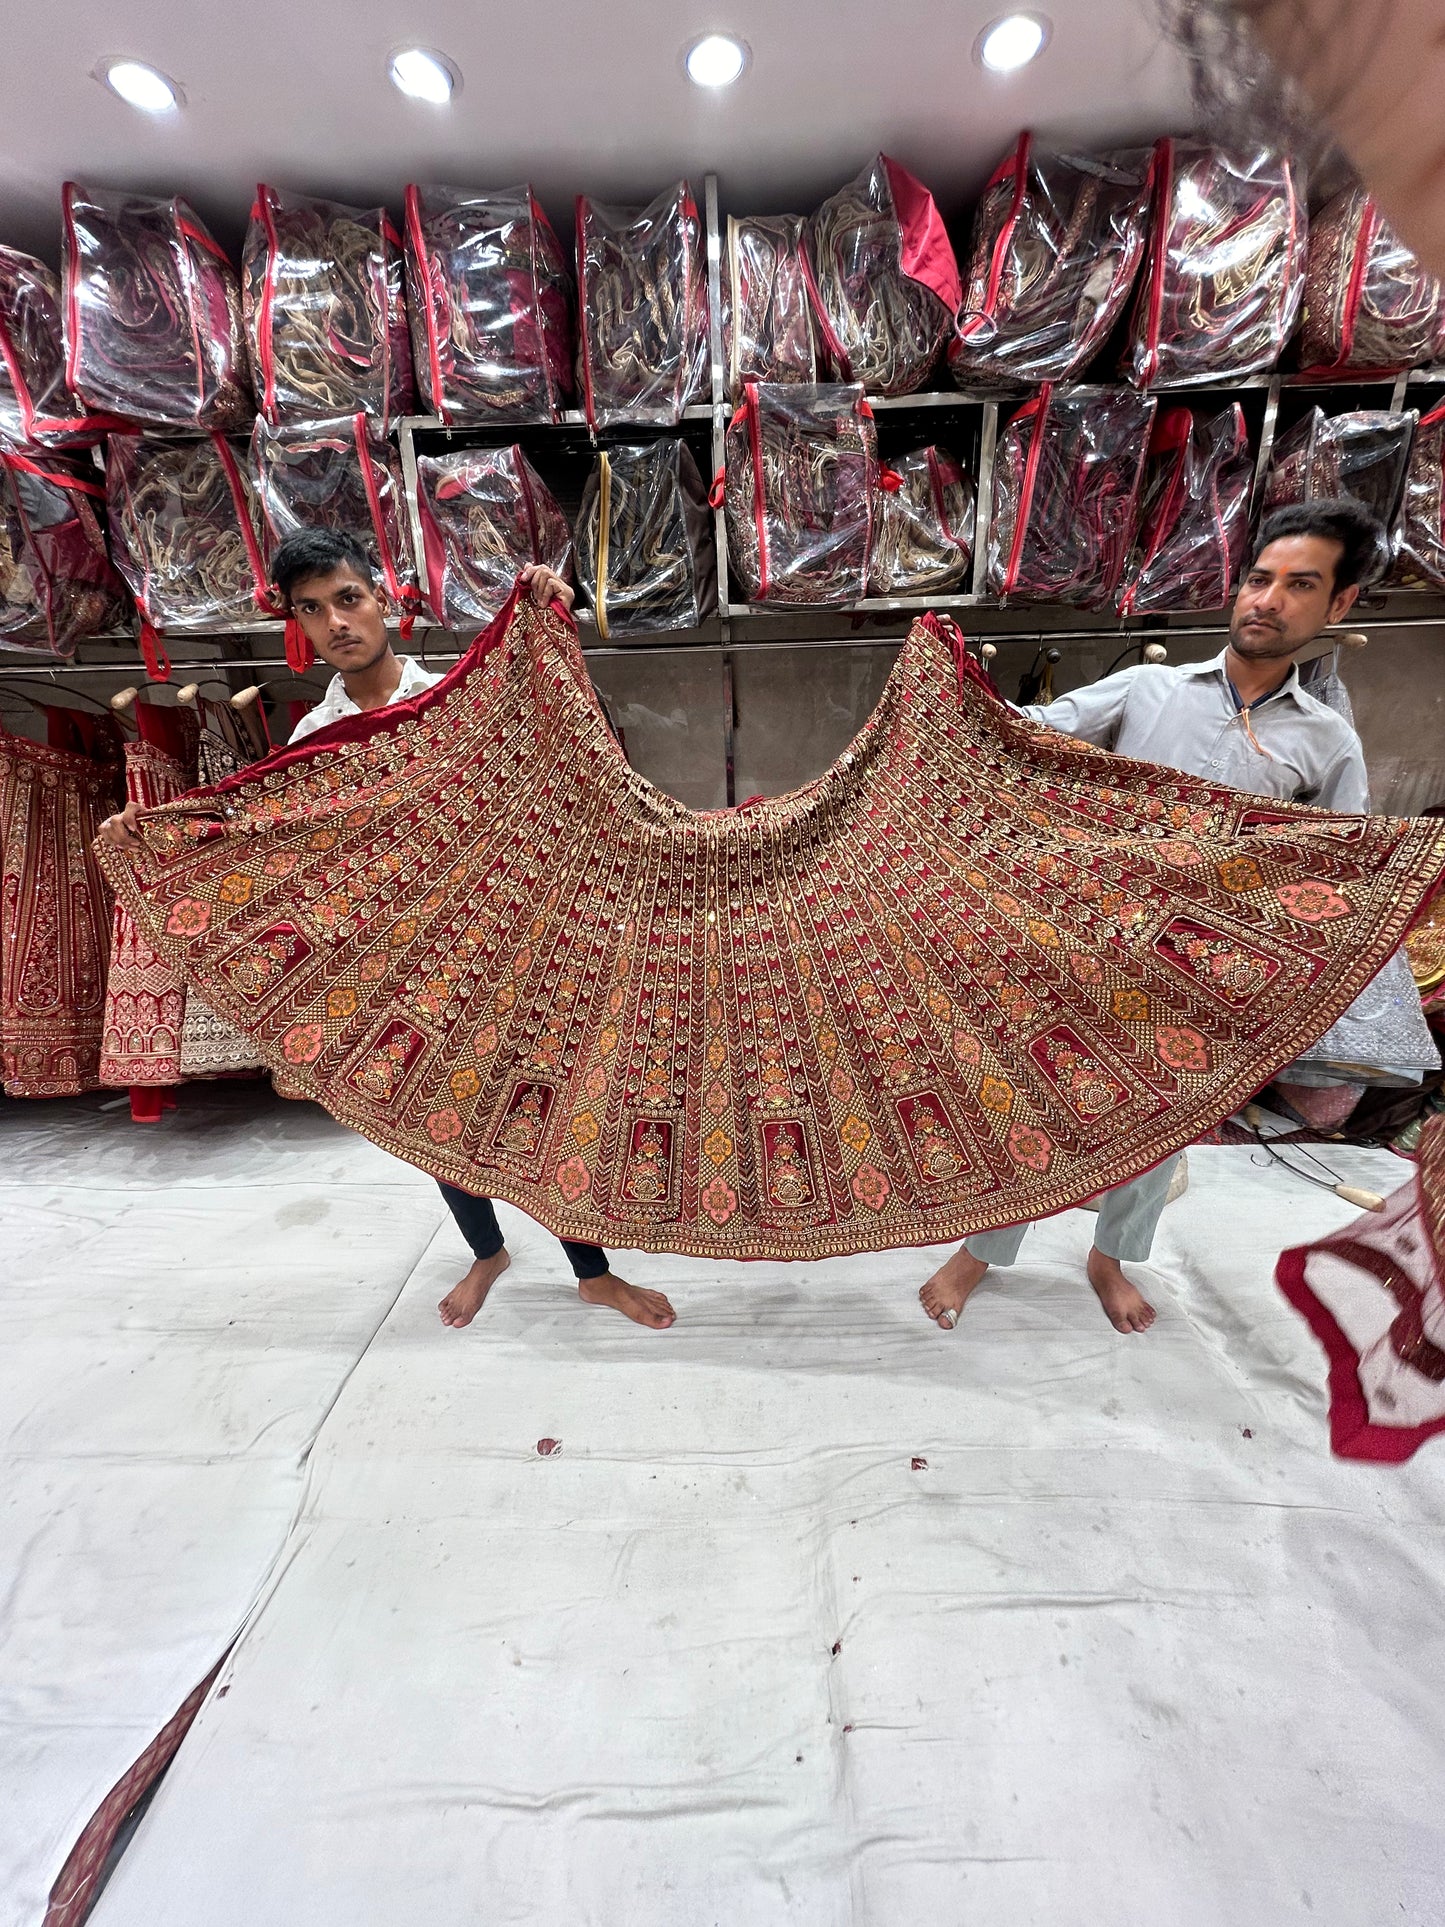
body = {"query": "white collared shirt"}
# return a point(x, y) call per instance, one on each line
point(1183, 715)
point(336, 703)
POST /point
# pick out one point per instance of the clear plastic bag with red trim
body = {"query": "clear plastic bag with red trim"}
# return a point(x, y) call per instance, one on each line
point(1057, 243)
point(338, 475)
point(56, 580)
point(1066, 484)
point(325, 310)
point(769, 333)
point(922, 525)
point(1363, 455)
point(37, 410)
point(485, 514)
point(1193, 515)
point(152, 314)
point(186, 533)
point(491, 306)
point(1420, 560)
point(646, 558)
point(1222, 281)
point(1368, 303)
point(800, 487)
point(882, 279)
point(642, 350)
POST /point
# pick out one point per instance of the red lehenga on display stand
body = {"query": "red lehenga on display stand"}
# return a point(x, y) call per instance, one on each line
point(1374, 1296)
point(974, 974)
point(145, 997)
point(55, 906)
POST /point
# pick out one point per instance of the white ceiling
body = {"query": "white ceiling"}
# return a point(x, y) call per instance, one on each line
point(570, 96)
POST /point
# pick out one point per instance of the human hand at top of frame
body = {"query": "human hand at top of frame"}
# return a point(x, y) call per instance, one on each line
point(544, 585)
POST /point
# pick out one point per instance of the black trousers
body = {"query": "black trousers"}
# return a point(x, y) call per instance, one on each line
point(477, 1222)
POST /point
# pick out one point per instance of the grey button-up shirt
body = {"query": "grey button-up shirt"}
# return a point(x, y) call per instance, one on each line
point(1182, 715)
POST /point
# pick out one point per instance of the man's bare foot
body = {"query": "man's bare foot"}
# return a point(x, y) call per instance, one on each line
point(642, 1307)
point(1129, 1310)
point(951, 1286)
point(465, 1300)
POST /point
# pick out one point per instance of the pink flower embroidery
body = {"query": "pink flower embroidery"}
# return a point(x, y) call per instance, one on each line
point(302, 1043)
point(1181, 1048)
point(870, 1187)
point(189, 918)
point(1313, 902)
point(719, 1201)
point(574, 1180)
point(1030, 1147)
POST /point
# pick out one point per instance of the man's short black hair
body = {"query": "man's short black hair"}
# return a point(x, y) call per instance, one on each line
point(1364, 547)
point(317, 552)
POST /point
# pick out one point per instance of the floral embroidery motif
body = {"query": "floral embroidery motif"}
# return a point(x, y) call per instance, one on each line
point(1313, 902)
point(303, 1043)
point(870, 1187)
point(189, 918)
point(1181, 1048)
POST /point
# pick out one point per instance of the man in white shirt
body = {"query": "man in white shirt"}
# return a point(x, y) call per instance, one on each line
point(1240, 719)
point(327, 584)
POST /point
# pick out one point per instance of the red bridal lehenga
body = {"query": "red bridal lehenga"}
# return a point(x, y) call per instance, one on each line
point(1374, 1296)
point(55, 912)
point(975, 973)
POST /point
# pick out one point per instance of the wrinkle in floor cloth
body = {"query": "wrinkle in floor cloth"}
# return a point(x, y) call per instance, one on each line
point(178, 1307)
point(975, 973)
point(820, 1616)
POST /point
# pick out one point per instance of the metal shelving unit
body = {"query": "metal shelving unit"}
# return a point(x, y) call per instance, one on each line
point(564, 449)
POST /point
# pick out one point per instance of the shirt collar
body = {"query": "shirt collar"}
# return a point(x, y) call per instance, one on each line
point(1215, 667)
point(413, 679)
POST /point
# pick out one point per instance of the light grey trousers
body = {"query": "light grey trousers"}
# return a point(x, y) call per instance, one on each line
point(1127, 1217)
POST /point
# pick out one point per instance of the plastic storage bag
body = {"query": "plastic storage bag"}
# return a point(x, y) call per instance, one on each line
point(800, 486)
point(37, 410)
point(1057, 243)
point(645, 553)
point(1066, 484)
point(325, 310)
point(1420, 562)
point(1224, 274)
point(922, 525)
point(1368, 304)
point(152, 315)
point(491, 306)
point(1363, 455)
point(882, 279)
point(768, 329)
point(56, 581)
point(1194, 513)
point(185, 532)
point(642, 354)
point(485, 515)
point(338, 475)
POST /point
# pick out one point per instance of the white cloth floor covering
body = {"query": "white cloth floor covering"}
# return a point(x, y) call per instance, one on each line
point(818, 1615)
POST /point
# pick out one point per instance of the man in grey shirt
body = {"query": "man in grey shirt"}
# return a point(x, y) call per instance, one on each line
point(1240, 719)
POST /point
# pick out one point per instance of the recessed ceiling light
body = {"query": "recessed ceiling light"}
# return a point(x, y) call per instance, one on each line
point(424, 76)
point(1012, 42)
point(141, 86)
point(716, 60)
